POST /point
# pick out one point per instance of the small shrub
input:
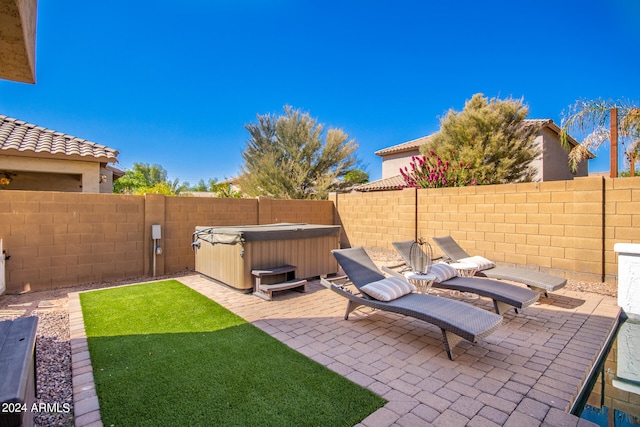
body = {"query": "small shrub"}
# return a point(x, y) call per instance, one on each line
point(432, 172)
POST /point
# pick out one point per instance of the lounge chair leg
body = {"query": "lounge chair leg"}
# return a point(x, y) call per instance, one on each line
point(537, 289)
point(450, 341)
point(501, 307)
point(351, 305)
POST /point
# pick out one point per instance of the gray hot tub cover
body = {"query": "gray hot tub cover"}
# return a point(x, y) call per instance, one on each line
point(241, 234)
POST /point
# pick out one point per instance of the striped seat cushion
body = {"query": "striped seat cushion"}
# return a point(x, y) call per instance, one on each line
point(480, 262)
point(388, 289)
point(443, 271)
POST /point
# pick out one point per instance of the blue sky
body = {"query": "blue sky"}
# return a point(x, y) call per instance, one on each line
point(174, 83)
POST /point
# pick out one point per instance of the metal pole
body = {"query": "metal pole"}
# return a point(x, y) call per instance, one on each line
point(613, 125)
point(154, 257)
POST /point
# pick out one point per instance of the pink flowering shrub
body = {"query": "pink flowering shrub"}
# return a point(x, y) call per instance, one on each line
point(432, 172)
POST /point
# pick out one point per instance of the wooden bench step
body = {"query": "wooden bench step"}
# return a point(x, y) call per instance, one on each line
point(273, 271)
point(266, 291)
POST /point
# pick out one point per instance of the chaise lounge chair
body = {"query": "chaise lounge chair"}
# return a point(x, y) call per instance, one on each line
point(504, 295)
point(536, 280)
point(455, 319)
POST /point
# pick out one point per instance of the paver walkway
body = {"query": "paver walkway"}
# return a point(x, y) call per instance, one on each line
point(527, 373)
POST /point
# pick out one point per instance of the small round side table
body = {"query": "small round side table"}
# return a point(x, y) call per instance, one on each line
point(465, 269)
point(421, 281)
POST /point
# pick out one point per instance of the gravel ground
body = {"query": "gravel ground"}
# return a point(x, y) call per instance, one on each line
point(53, 349)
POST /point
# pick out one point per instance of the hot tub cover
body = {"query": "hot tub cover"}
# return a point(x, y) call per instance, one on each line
point(249, 233)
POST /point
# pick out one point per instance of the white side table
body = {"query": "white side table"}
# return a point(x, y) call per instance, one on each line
point(465, 269)
point(421, 281)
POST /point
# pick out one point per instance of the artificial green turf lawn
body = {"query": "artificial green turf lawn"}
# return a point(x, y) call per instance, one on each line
point(165, 355)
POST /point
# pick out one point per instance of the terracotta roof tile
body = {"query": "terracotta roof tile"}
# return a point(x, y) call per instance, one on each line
point(391, 183)
point(23, 137)
point(405, 146)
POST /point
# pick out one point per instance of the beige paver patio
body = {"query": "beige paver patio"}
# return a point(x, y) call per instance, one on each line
point(526, 373)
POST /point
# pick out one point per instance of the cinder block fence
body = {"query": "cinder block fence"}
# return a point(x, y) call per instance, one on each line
point(563, 227)
point(57, 239)
point(60, 239)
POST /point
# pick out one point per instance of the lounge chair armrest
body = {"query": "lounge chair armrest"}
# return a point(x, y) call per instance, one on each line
point(394, 273)
point(330, 281)
point(395, 266)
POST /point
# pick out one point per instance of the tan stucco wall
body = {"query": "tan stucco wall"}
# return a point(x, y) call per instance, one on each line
point(89, 172)
point(552, 164)
point(392, 163)
point(106, 185)
point(17, 40)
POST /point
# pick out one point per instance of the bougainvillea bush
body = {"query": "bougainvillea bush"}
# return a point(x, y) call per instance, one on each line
point(432, 172)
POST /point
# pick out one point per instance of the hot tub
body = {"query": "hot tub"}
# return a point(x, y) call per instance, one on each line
point(228, 254)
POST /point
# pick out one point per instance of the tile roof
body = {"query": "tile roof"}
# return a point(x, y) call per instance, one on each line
point(25, 139)
point(416, 143)
point(391, 183)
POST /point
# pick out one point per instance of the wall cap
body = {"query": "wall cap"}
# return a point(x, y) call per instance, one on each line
point(629, 248)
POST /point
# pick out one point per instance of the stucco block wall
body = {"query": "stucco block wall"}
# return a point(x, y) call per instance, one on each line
point(370, 219)
point(554, 227)
point(183, 214)
point(62, 239)
point(59, 239)
point(622, 209)
point(562, 227)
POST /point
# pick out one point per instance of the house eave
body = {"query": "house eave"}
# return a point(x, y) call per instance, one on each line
point(18, 40)
point(46, 155)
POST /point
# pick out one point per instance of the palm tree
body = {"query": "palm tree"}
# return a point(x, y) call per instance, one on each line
point(591, 117)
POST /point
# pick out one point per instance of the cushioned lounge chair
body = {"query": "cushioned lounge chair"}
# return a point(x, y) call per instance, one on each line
point(504, 295)
point(536, 280)
point(455, 319)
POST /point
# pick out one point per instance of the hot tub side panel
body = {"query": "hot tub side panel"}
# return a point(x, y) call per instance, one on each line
point(312, 257)
point(222, 263)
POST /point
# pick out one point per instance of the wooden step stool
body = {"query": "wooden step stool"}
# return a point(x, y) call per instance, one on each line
point(265, 291)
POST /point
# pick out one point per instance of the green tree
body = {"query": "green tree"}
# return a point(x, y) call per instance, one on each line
point(351, 179)
point(291, 157)
point(222, 189)
point(591, 119)
point(200, 186)
point(490, 137)
point(355, 177)
point(150, 179)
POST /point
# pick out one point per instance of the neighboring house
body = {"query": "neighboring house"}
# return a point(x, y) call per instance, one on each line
point(233, 183)
point(551, 165)
point(39, 159)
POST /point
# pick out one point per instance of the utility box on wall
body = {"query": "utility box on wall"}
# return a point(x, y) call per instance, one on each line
point(156, 231)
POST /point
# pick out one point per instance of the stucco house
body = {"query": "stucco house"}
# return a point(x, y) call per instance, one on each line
point(551, 165)
point(39, 159)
